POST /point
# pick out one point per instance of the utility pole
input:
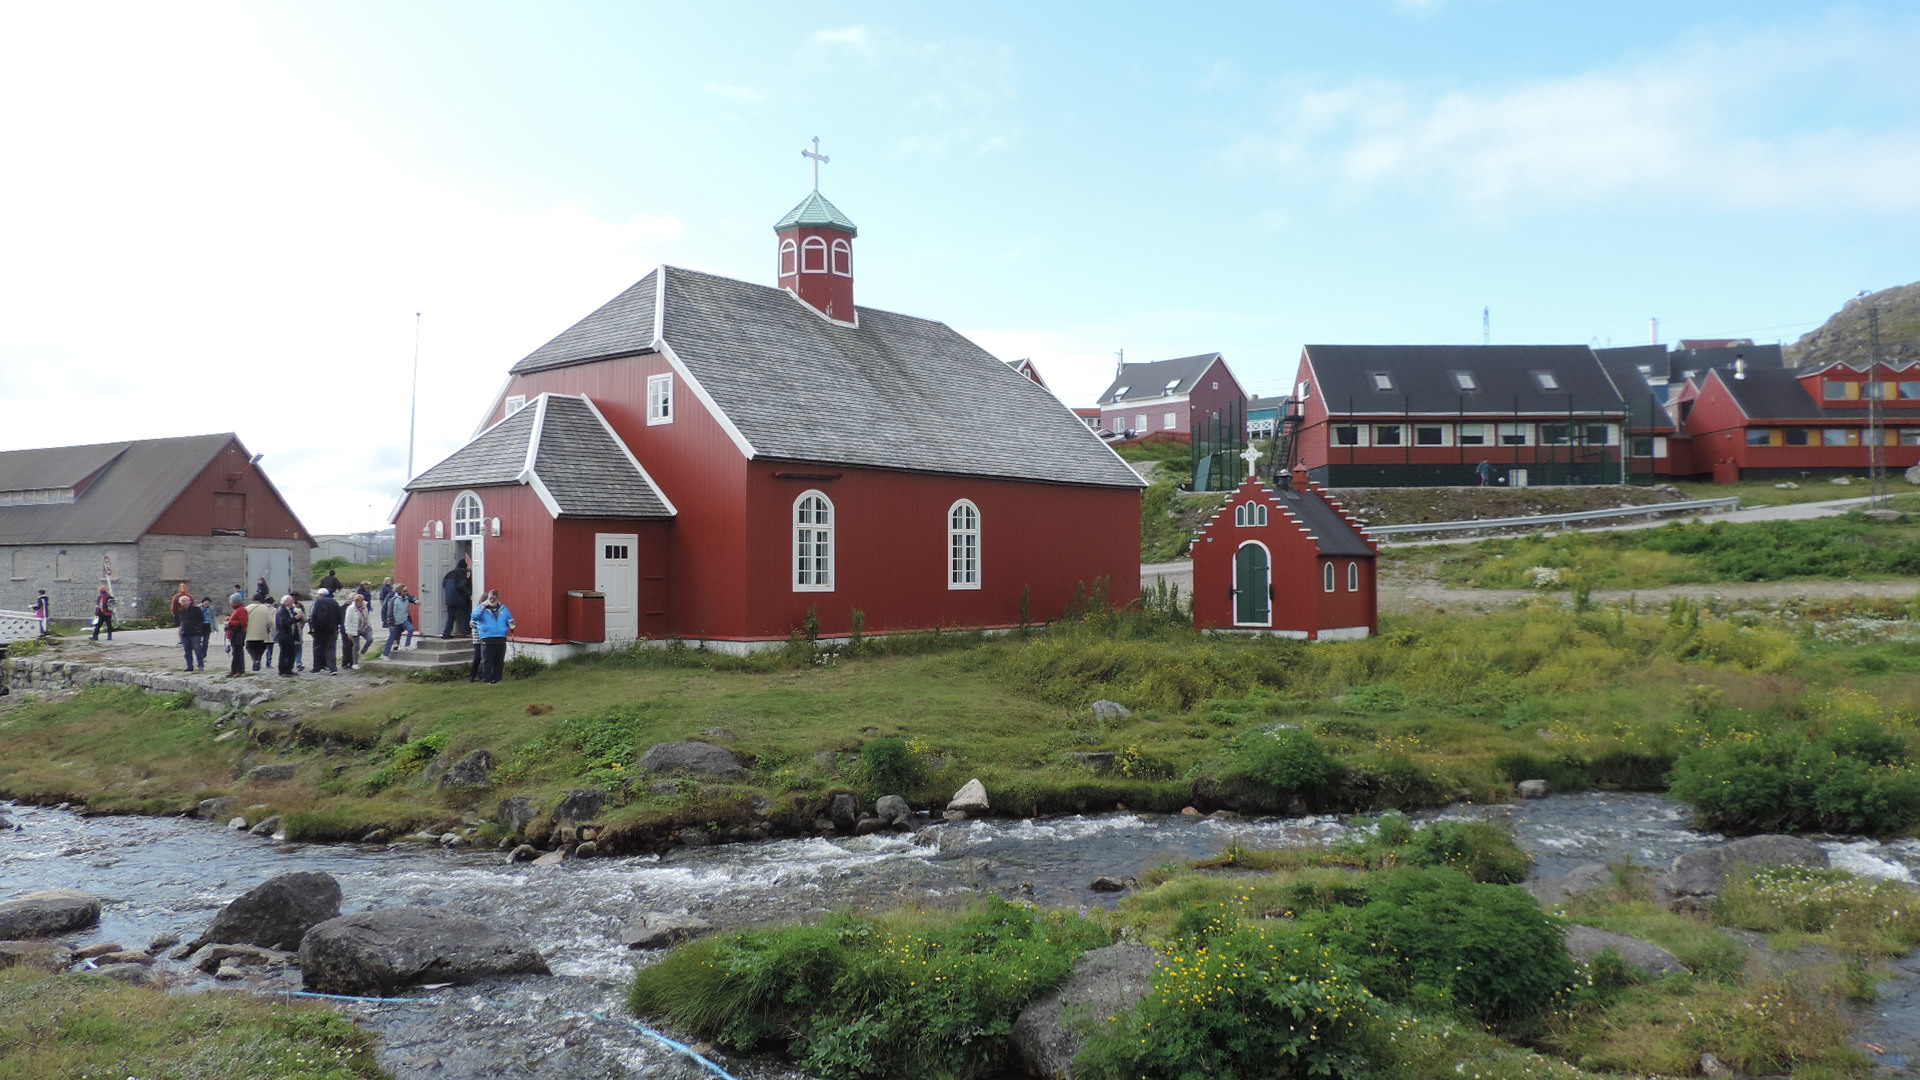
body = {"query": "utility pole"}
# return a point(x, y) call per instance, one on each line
point(1876, 437)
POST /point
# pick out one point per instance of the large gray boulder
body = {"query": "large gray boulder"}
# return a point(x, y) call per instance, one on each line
point(1696, 876)
point(1584, 943)
point(657, 930)
point(45, 914)
point(276, 913)
point(971, 798)
point(1105, 982)
point(580, 804)
point(377, 953)
point(516, 812)
point(43, 955)
point(893, 810)
point(844, 810)
point(705, 759)
point(1583, 878)
point(473, 771)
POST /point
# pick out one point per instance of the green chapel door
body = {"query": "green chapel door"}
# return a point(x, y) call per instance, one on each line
point(1252, 587)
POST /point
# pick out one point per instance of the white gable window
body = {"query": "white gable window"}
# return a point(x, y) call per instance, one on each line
point(963, 546)
point(789, 258)
point(812, 543)
point(1249, 515)
point(813, 256)
point(515, 402)
point(660, 399)
point(469, 519)
point(1303, 390)
point(843, 258)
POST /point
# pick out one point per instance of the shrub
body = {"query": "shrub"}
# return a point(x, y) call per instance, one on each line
point(1481, 850)
point(854, 999)
point(1781, 782)
point(1287, 760)
point(890, 767)
point(1271, 1001)
point(523, 667)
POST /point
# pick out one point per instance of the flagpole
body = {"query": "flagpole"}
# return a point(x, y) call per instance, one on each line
point(413, 406)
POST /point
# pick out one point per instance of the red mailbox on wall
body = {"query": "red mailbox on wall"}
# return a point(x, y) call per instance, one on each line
point(586, 616)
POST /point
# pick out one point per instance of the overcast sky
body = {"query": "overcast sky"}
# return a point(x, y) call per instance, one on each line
point(224, 217)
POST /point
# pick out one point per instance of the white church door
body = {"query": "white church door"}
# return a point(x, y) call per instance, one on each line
point(436, 559)
point(616, 575)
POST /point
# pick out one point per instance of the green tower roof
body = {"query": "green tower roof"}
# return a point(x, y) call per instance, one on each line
point(816, 210)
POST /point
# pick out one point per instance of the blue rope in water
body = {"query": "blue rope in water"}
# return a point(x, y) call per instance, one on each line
point(672, 1044)
point(349, 997)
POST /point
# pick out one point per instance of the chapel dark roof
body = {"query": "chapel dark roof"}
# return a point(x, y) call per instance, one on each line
point(1158, 379)
point(1335, 535)
point(121, 488)
point(882, 393)
point(577, 459)
point(1425, 379)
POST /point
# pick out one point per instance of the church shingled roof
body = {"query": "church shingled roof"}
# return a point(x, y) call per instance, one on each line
point(578, 459)
point(816, 210)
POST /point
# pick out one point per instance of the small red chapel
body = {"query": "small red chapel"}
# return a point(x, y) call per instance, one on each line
point(1285, 559)
point(724, 462)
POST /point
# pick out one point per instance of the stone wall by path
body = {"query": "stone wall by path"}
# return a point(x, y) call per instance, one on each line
point(35, 674)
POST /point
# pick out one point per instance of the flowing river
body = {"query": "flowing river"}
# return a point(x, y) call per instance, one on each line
point(170, 875)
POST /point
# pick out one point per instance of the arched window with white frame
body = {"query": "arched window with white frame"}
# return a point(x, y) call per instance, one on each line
point(963, 545)
point(789, 258)
point(843, 258)
point(469, 518)
point(813, 255)
point(1250, 515)
point(1326, 575)
point(813, 542)
point(1353, 577)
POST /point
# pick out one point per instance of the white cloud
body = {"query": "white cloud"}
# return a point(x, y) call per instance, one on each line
point(1700, 125)
point(857, 38)
point(956, 96)
point(739, 95)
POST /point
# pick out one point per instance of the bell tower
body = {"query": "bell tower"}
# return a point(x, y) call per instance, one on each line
point(816, 251)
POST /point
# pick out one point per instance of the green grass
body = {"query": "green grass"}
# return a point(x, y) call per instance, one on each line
point(1763, 492)
point(352, 574)
point(74, 1026)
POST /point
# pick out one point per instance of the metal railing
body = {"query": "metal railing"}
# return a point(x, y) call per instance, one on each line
point(1542, 520)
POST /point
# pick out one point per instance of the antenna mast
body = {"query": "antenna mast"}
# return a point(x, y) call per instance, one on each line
point(1876, 439)
point(1486, 325)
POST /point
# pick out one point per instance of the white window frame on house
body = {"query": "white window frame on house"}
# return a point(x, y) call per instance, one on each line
point(1171, 419)
point(1326, 575)
point(1463, 380)
point(1171, 383)
point(813, 255)
point(1839, 436)
point(1353, 577)
point(1547, 380)
point(1120, 392)
point(789, 258)
point(1389, 435)
point(963, 545)
point(1359, 432)
point(813, 547)
point(1512, 434)
point(1555, 434)
point(1304, 389)
point(515, 402)
point(1432, 435)
point(469, 516)
point(1140, 422)
point(1381, 380)
point(660, 399)
point(1249, 515)
point(1473, 435)
point(842, 257)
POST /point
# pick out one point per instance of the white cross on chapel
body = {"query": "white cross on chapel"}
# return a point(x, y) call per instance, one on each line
point(1252, 455)
point(819, 159)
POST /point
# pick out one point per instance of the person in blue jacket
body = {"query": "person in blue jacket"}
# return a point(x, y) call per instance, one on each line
point(491, 621)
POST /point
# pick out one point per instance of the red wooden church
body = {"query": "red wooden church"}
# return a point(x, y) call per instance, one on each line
point(717, 459)
point(1286, 560)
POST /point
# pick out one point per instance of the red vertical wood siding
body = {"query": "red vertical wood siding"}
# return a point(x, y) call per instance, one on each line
point(268, 515)
point(1300, 600)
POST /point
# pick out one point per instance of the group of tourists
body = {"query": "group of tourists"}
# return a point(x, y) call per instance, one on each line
point(261, 630)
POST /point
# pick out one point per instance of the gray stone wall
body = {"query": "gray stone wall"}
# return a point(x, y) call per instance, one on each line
point(34, 674)
point(73, 598)
point(140, 572)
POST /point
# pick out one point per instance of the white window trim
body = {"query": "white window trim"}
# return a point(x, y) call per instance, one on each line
point(954, 580)
point(515, 402)
point(1236, 583)
point(1353, 576)
point(1172, 420)
point(789, 259)
point(808, 247)
point(1326, 576)
point(479, 522)
point(840, 253)
point(660, 407)
point(1363, 432)
point(828, 528)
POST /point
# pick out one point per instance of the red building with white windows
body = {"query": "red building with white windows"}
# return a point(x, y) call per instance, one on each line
point(1288, 561)
point(718, 459)
point(1769, 423)
point(1170, 395)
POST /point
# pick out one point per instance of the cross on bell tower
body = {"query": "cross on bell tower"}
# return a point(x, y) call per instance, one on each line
point(816, 251)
